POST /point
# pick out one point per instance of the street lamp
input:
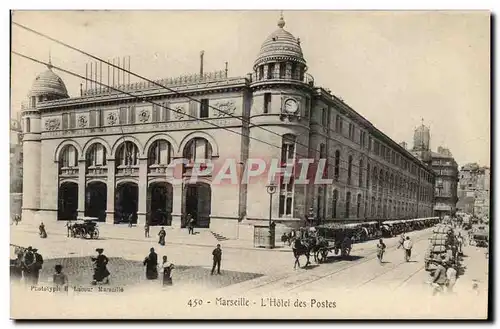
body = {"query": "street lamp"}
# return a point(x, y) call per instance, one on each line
point(271, 189)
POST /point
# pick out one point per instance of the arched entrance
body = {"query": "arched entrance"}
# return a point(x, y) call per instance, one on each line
point(126, 202)
point(198, 203)
point(96, 200)
point(67, 201)
point(160, 204)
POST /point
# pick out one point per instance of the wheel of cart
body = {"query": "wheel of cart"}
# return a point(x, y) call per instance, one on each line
point(96, 233)
point(323, 255)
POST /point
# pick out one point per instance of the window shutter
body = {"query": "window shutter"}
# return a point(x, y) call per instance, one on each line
point(72, 120)
point(131, 114)
point(164, 153)
point(165, 112)
point(72, 156)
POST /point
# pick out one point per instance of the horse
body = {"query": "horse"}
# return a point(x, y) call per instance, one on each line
point(301, 248)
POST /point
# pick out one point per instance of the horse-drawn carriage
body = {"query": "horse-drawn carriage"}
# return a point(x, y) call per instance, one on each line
point(479, 236)
point(336, 238)
point(86, 228)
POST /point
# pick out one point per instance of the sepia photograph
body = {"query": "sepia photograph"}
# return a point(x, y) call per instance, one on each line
point(258, 164)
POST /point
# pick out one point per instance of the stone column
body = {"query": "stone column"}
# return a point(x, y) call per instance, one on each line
point(143, 190)
point(110, 206)
point(81, 188)
point(177, 195)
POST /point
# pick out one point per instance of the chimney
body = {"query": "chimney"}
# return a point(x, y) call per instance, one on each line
point(201, 62)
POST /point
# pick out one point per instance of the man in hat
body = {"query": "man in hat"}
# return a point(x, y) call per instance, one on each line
point(439, 276)
point(28, 262)
point(101, 272)
point(217, 257)
point(37, 266)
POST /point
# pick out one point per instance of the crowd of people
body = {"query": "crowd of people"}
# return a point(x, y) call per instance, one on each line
point(27, 265)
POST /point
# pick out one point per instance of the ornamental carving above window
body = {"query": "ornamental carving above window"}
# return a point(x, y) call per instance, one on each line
point(112, 118)
point(144, 116)
point(225, 108)
point(180, 112)
point(52, 124)
point(82, 121)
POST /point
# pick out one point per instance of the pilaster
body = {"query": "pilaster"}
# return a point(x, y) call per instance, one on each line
point(81, 187)
point(143, 190)
point(110, 206)
point(177, 192)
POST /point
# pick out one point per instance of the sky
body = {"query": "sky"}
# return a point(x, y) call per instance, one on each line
point(394, 68)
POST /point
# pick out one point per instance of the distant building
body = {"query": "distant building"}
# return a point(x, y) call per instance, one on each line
point(445, 167)
point(474, 190)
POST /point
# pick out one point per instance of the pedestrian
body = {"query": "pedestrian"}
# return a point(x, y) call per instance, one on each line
point(190, 223)
point(380, 250)
point(162, 234)
point(217, 254)
point(28, 264)
point(130, 217)
point(407, 245)
point(59, 278)
point(43, 233)
point(37, 266)
point(439, 277)
point(146, 230)
point(451, 277)
point(68, 227)
point(101, 272)
point(167, 268)
point(151, 263)
point(401, 240)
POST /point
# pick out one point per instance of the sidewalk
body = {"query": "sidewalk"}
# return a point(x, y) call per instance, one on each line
point(175, 236)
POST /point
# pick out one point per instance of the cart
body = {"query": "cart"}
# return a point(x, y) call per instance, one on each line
point(85, 228)
point(336, 238)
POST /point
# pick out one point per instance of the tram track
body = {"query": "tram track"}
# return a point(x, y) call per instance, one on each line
point(367, 259)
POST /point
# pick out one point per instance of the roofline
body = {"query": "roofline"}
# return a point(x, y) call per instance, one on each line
point(322, 92)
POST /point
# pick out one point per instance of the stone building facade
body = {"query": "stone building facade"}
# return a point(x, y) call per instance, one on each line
point(107, 154)
point(445, 168)
point(474, 190)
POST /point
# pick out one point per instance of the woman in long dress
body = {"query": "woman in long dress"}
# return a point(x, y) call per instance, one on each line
point(167, 268)
point(162, 234)
point(101, 272)
point(151, 263)
point(43, 233)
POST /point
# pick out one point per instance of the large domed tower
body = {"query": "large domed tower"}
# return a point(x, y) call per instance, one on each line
point(281, 101)
point(421, 138)
point(47, 86)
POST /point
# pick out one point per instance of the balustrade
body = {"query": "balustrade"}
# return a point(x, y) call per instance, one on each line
point(69, 172)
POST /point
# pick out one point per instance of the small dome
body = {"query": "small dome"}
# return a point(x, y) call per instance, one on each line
point(423, 129)
point(48, 83)
point(280, 45)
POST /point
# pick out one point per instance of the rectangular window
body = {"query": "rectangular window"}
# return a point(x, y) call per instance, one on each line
point(306, 110)
point(65, 121)
point(324, 118)
point(156, 113)
point(123, 115)
point(92, 118)
point(267, 102)
point(193, 109)
point(351, 131)
point(282, 206)
point(165, 112)
point(101, 118)
point(270, 71)
point(131, 114)
point(370, 143)
point(377, 148)
point(338, 124)
point(322, 151)
point(204, 108)
point(72, 120)
point(282, 70)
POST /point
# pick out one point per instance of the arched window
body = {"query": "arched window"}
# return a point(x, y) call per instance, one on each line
point(159, 153)
point(349, 169)
point(68, 157)
point(28, 125)
point(198, 149)
point(358, 206)
point(375, 178)
point(335, 200)
point(360, 173)
point(127, 155)
point(322, 151)
point(381, 179)
point(96, 155)
point(337, 165)
point(347, 204)
point(368, 172)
